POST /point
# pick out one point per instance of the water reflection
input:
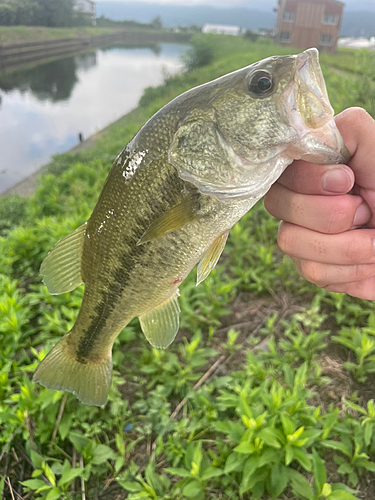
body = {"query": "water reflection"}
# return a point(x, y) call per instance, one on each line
point(53, 81)
point(43, 109)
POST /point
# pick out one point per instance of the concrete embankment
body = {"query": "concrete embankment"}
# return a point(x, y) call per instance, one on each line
point(13, 54)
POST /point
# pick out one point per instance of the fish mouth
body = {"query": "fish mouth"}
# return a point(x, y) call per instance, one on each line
point(312, 115)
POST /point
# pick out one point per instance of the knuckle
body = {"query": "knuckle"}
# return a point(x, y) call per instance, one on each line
point(358, 115)
point(273, 200)
point(284, 239)
point(360, 272)
point(312, 271)
point(340, 218)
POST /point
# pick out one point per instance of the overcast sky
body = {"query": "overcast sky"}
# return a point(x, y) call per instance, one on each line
point(265, 5)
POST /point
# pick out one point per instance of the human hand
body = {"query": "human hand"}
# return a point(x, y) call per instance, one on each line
point(329, 233)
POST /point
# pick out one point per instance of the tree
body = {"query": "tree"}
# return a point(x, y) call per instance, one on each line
point(156, 23)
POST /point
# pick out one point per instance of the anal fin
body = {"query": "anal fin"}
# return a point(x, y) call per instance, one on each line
point(61, 269)
point(161, 324)
point(210, 258)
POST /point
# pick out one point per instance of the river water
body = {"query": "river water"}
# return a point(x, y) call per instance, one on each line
point(44, 109)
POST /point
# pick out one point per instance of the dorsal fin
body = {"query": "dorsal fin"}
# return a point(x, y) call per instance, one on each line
point(160, 325)
point(177, 217)
point(61, 269)
point(210, 258)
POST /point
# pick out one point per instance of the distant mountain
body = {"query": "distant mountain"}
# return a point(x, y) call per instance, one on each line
point(183, 15)
point(355, 23)
point(360, 23)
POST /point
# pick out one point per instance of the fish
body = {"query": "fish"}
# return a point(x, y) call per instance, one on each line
point(170, 199)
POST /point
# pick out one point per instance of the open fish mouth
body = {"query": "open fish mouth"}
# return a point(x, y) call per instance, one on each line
point(311, 115)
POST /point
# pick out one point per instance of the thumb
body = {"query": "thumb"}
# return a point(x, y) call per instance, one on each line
point(358, 131)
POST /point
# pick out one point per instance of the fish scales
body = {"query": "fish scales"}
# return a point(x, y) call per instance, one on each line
point(172, 195)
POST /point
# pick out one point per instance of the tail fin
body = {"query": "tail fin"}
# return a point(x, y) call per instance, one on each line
point(60, 371)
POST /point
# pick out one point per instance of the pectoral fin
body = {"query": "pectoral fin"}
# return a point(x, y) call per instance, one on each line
point(161, 324)
point(177, 217)
point(61, 269)
point(210, 258)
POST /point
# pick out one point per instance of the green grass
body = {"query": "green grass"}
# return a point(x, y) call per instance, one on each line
point(15, 34)
point(267, 391)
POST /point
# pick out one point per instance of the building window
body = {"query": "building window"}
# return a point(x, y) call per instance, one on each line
point(288, 17)
point(326, 39)
point(285, 37)
point(330, 19)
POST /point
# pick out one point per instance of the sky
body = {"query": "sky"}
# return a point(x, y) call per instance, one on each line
point(264, 5)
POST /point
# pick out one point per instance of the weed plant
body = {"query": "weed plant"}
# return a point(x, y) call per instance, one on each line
point(266, 393)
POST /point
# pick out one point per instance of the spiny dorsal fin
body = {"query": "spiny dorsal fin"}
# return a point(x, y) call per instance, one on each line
point(161, 324)
point(210, 258)
point(177, 217)
point(61, 269)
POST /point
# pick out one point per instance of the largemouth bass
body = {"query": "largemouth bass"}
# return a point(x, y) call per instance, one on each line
point(172, 195)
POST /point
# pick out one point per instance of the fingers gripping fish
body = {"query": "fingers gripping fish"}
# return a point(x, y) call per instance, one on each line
point(172, 195)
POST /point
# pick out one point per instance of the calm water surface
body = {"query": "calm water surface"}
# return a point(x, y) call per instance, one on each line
point(43, 109)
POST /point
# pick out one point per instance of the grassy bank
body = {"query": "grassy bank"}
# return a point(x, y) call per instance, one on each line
point(267, 392)
point(15, 34)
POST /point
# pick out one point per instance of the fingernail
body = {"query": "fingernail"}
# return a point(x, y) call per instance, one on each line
point(337, 180)
point(362, 215)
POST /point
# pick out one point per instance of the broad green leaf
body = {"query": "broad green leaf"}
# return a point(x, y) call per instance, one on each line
point(368, 433)
point(78, 440)
point(234, 463)
point(54, 494)
point(336, 445)
point(65, 425)
point(177, 472)
point(250, 466)
point(245, 448)
point(119, 463)
point(288, 424)
point(192, 489)
point(102, 453)
point(132, 487)
point(211, 472)
point(279, 480)
point(120, 444)
point(49, 474)
point(36, 459)
point(367, 464)
point(269, 436)
point(34, 484)
point(197, 456)
point(320, 476)
point(355, 407)
point(300, 485)
point(341, 495)
point(302, 458)
point(345, 468)
point(289, 454)
point(248, 482)
point(69, 475)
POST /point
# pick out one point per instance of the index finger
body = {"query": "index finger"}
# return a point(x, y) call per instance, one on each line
point(311, 178)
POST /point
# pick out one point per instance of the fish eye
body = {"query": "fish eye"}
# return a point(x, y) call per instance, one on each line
point(261, 83)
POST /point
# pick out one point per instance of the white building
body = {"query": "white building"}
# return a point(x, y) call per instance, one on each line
point(221, 29)
point(86, 7)
point(357, 43)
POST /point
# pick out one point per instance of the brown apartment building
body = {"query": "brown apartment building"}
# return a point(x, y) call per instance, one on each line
point(309, 23)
